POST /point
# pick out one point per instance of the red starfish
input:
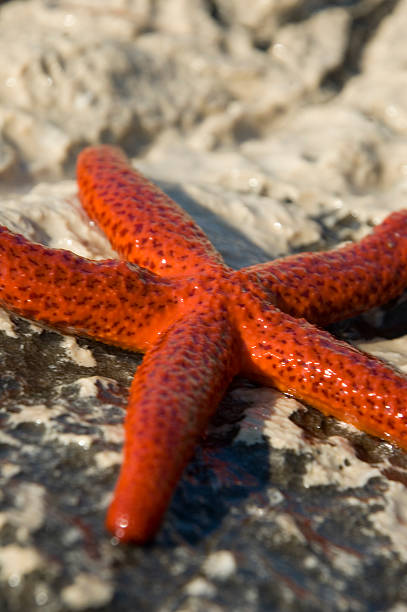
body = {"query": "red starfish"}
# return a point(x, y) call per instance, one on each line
point(201, 323)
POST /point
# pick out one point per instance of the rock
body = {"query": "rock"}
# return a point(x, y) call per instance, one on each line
point(277, 133)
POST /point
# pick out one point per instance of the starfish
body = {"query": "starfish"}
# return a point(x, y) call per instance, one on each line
point(201, 323)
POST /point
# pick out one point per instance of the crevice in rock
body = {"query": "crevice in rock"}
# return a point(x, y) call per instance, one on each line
point(366, 21)
point(215, 12)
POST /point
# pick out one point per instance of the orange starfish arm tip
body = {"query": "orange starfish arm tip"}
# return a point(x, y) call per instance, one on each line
point(173, 396)
point(107, 300)
point(143, 224)
point(330, 286)
point(326, 373)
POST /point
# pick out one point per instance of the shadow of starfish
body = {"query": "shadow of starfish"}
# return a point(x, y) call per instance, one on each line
point(200, 323)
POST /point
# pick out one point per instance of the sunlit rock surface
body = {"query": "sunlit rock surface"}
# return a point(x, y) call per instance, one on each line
point(280, 126)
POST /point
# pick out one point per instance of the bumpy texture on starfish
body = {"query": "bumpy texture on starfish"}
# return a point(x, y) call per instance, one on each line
point(201, 323)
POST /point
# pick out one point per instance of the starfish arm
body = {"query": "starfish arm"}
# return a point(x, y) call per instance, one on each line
point(327, 287)
point(308, 363)
point(111, 301)
point(142, 223)
point(174, 393)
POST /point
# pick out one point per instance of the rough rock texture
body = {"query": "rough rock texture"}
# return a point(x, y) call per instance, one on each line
point(280, 127)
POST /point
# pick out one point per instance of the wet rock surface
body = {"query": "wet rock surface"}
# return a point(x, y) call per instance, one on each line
point(280, 128)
